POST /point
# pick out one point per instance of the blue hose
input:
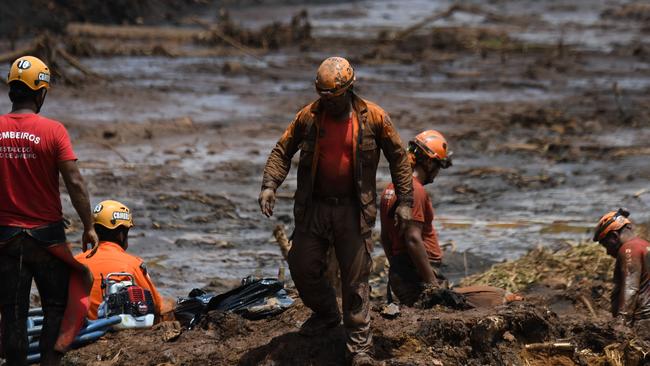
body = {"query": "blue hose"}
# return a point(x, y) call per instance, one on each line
point(98, 324)
point(37, 319)
point(34, 358)
point(34, 331)
point(91, 332)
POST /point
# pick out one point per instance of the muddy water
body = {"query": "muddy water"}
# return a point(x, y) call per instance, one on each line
point(193, 191)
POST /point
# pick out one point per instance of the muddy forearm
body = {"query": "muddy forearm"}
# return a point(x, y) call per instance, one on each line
point(629, 290)
point(279, 161)
point(400, 169)
point(417, 253)
point(277, 168)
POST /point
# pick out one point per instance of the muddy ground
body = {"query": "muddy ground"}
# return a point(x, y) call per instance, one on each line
point(545, 105)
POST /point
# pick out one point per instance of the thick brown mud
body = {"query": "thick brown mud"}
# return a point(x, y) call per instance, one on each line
point(545, 106)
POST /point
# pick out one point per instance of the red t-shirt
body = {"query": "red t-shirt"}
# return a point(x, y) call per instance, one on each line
point(335, 161)
point(422, 212)
point(30, 148)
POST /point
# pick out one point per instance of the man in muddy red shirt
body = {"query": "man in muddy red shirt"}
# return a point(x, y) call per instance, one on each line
point(339, 137)
point(414, 252)
point(33, 151)
point(631, 294)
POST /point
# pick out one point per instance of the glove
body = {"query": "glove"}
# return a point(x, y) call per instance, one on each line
point(403, 215)
point(267, 201)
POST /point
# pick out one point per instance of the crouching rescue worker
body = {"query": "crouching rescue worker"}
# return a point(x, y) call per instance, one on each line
point(112, 223)
point(630, 297)
point(414, 253)
point(33, 151)
point(340, 136)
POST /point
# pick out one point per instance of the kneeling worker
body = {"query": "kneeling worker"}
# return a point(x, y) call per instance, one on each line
point(112, 223)
point(631, 294)
point(413, 252)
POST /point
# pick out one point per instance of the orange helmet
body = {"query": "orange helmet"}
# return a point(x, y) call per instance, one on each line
point(31, 71)
point(335, 75)
point(433, 145)
point(611, 221)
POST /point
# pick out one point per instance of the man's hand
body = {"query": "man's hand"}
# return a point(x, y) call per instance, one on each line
point(403, 214)
point(267, 201)
point(89, 237)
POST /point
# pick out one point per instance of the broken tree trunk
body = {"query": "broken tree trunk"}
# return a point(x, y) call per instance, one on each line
point(50, 50)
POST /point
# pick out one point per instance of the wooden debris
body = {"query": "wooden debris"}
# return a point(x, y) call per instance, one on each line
point(127, 32)
point(284, 243)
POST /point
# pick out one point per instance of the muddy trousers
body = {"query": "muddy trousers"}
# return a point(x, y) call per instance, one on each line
point(337, 226)
point(22, 259)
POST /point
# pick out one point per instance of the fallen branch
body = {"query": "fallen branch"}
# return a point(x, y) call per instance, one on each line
point(13, 55)
point(214, 30)
point(284, 243)
point(400, 35)
point(76, 64)
point(126, 32)
point(588, 305)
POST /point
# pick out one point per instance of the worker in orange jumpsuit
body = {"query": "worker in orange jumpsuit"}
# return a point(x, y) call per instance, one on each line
point(630, 297)
point(340, 137)
point(112, 223)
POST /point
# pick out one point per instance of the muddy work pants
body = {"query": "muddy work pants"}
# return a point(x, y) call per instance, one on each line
point(22, 259)
point(335, 224)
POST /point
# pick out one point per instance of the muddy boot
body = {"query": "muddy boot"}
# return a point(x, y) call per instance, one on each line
point(317, 324)
point(364, 359)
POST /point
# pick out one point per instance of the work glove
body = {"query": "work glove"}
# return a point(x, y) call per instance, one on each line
point(267, 201)
point(403, 215)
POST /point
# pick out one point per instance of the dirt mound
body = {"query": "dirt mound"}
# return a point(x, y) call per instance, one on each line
point(564, 320)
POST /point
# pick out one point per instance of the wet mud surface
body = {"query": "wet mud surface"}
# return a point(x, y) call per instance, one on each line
point(545, 106)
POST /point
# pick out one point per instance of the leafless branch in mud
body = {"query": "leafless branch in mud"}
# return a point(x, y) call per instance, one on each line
point(76, 64)
point(424, 22)
point(126, 32)
point(113, 149)
point(588, 305)
point(214, 30)
point(49, 48)
point(12, 55)
point(283, 242)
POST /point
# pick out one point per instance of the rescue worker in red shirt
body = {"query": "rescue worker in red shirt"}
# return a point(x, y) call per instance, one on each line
point(34, 150)
point(414, 253)
point(630, 297)
point(339, 136)
point(112, 223)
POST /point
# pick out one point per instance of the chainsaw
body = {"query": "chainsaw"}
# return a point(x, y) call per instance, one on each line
point(124, 298)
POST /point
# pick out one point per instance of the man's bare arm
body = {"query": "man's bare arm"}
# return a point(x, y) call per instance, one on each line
point(76, 187)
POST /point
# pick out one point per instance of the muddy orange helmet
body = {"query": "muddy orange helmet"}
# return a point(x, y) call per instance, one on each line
point(111, 214)
point(335, 75)
point(611, 221)
point(31, 71)
point(433, 145)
